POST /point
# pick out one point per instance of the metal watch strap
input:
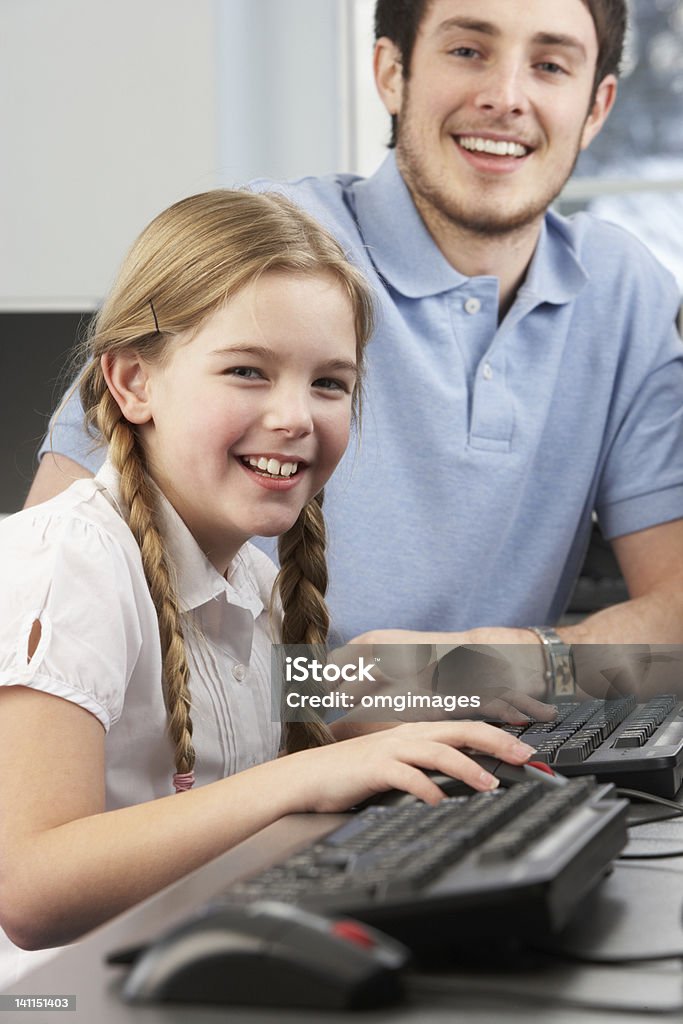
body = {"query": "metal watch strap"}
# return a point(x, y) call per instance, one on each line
point(559, 663)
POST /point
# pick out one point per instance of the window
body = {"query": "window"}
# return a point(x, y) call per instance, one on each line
point(633, 172)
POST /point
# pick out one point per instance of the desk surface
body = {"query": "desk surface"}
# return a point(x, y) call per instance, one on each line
point(637, 900)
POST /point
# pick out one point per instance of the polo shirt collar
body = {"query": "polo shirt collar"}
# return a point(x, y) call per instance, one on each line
point(556, 274)
point(197, 580)
point(397, 241)
point(406, 256)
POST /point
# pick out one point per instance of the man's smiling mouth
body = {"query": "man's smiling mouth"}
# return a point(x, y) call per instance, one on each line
point(492, 147)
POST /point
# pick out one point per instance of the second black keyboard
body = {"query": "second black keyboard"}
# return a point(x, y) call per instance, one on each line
point(639, 746)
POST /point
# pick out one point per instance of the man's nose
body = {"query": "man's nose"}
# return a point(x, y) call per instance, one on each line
point(289, 410)
point(503, 89)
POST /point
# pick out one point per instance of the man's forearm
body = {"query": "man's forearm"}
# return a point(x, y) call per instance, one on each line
point(655, 618)
point(633, 647)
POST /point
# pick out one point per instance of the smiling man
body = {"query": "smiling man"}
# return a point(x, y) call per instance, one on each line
point(526, 371)
point(492, 109)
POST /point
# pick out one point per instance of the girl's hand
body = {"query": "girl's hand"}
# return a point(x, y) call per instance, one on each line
point(335, 777)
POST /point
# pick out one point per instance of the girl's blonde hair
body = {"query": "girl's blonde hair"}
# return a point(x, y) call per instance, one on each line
point(191, 259)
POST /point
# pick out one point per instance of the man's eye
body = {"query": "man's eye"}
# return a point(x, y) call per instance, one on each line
point(551, 67)
point(464, 51)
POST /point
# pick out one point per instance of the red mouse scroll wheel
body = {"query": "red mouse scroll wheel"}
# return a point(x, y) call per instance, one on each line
point(542, 765)
point(352, 931)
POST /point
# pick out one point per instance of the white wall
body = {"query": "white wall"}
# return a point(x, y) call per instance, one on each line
point(108, 115)
point(283, 88)
point(112, 109)
point(371, 125)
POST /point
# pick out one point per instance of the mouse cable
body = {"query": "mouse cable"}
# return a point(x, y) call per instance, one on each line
point(641, 959)
point(650, 798)
point(635, 794)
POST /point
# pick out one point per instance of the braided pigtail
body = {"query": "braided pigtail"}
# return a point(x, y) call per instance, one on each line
point(190, 261)
point(302, 584)
point(141, 503)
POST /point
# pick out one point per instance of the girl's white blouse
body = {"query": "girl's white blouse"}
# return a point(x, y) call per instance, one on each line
point(73, 564)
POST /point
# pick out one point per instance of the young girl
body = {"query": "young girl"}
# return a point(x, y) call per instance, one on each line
point(135, 620)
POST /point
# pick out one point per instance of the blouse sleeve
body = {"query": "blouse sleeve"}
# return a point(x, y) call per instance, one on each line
point(75, 579)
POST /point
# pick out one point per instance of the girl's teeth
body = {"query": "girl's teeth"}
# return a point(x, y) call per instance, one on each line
point(273, 467)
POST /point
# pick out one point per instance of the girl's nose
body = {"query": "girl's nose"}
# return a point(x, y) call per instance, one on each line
point(290, 412)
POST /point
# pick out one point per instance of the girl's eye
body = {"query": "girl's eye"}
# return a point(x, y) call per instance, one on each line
point(330, 384)
point(244, 372)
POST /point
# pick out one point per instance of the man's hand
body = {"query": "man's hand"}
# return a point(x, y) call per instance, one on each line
point(419, 682)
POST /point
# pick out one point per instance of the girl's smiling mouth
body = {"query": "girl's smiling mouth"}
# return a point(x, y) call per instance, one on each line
point(269, 466)
point(270, 469)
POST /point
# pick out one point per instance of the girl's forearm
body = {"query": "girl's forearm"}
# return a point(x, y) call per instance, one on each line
point(67, 880)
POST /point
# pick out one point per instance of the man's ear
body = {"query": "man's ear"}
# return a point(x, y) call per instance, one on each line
point(388, 69)
point(605, 96)
point(127, 378)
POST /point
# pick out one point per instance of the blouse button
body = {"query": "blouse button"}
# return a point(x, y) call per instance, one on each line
point(472, 305)
point(240, 673)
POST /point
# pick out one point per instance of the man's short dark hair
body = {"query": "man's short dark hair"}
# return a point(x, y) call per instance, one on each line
point(399, 20)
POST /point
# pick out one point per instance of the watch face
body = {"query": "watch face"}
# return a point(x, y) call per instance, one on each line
point(564, 677)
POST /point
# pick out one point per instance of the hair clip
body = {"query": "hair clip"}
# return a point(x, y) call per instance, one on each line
point(156, 322)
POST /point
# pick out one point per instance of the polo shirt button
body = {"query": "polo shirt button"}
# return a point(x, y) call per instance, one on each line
point(472, 305)
point(488, 371)
point(240, 673)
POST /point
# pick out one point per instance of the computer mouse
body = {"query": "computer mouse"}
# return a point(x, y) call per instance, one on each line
point(509, 775)
point(269, 954)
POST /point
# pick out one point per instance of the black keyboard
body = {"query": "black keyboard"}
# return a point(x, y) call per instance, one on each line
point(514, 862)
point(639, 746)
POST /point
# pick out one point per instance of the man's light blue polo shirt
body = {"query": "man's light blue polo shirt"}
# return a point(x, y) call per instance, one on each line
point(484, 449)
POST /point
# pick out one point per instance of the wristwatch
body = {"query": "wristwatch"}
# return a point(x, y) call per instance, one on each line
point(559, 663)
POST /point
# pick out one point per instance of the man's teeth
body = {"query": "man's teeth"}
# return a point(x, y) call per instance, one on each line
point(477, 145)
point(272, 466)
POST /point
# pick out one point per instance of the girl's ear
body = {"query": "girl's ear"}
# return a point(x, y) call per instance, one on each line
point(127, 378)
